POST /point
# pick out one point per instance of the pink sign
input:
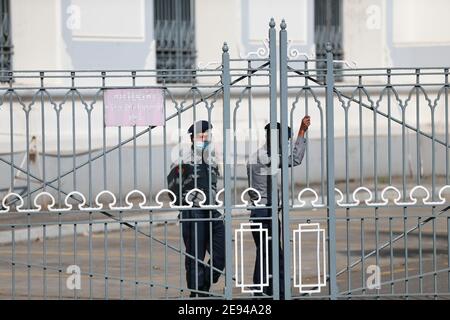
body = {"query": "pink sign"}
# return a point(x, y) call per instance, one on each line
point(134, 107)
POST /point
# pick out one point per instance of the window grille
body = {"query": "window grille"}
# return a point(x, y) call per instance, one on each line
point(5, 41)
point(328, 28)
point(175, 40)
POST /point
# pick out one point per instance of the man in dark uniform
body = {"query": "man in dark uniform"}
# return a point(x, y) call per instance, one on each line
point(197, 168)
point(259, 174)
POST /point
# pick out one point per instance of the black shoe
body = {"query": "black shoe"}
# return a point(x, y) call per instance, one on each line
point(204, 288)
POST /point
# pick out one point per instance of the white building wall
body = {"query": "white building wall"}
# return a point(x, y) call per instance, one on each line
point(35, 34)
point(374, 30)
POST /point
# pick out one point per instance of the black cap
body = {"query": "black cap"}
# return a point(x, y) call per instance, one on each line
point(200, 127)
point(267, 127)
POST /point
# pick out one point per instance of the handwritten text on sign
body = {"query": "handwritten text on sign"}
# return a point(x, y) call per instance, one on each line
point(134, 107)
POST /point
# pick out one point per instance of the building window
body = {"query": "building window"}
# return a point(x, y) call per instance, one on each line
point(328, 28)
point(5, 41)
point(175, 40)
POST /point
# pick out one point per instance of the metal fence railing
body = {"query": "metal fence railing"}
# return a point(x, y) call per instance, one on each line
point(88, 212)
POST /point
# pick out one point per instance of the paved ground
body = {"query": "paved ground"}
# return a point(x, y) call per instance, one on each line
point(127, 264)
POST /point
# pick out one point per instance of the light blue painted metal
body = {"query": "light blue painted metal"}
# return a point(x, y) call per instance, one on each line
point(147, 251)
point(284, 161)
point(274, 153)
point(331, 209)
point(226, 81)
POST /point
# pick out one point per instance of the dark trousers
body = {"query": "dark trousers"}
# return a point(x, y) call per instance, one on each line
point(257, 277)
point(197, 239)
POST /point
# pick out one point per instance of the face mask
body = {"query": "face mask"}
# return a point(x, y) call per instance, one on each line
point(201, 144)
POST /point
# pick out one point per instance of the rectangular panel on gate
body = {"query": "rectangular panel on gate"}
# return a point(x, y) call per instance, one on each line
point(134, 107)
point(310, 287)
point(240, 261)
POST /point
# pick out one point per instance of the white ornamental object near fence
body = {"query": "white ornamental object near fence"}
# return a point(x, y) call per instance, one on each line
point(263, 255)
point(320, 258)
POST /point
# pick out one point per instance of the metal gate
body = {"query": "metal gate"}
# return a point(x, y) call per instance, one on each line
point(87, 212)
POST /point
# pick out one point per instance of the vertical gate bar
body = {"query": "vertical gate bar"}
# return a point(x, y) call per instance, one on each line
point(90, 255)
point(211, 246)
point(43, 131)
point(135, 260)
point(347, 171)
point(322, 157)
point(307, 133)
point(363, 254)
point(29, 255)
point(105, 251)
point(44, 260)
point(27, 143)
point(433, 155)
point(403, 153)
point(273, 152)
point(391, 256)
point(331, 212)
point(13, 263)
point(121, 254)
point(405, 238)
point(119, 128)
point(180, 243)
point(11, 139)
point(133, 75)
point(104, 136)
point(389, 127)
point(249, 83)
point(291, 160)
point(151, 253)
point(211, 201)
point(375, 158)
point(89, 113)
point(75, 253)
point(447, 149)
point(150, 178)
point(235, 146)
point(196, 255)
point(448, 253)
point(419, 223)
point(59, 256)
point(377, 240)
point(405, 244)
point(226, 80)
point(347, 210)
point(180, 215)
point(165, 142)
point(194, 119)
point(284, 161)
point(166, 262)
point(90, 189)
point(375, 173)
point(361, 153)
point(74, 142)
point(418, 159)
point(433, 226)
point(58, 151)
point(433, 186)
point(349, 278)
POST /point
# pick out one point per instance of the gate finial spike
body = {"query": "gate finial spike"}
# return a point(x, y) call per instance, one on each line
point(272, 23)
point(328, 47)
point(283, 24)
point(225, 47)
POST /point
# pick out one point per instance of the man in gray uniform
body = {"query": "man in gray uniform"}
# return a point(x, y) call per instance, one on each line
point(259, 173)
point(197, 168)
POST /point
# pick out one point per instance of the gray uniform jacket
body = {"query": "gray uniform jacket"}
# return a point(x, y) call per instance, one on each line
point(259, 169)
point(199, 170)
